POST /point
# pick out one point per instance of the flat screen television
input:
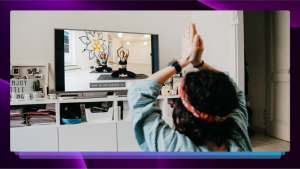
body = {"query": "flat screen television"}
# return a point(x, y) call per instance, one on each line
point(94, 60)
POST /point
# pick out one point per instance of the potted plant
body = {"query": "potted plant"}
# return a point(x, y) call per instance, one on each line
point(36, 89)
point(98, 62)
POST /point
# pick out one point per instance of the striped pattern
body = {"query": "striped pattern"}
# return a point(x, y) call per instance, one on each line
point(153, 134)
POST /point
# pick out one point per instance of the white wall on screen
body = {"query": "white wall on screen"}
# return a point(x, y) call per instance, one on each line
point(27, 29)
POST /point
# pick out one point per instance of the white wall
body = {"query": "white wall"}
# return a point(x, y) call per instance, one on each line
point(214, 29)
point(32, 32)
point(218, 37)
point(82, 58)
point(116, 45)
point(139, 53)
point(256, 56)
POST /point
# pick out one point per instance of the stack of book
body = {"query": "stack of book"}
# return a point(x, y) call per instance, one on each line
point(30, 115)
point(16, 116)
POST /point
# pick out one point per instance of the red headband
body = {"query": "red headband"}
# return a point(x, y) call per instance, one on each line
point(197, 113)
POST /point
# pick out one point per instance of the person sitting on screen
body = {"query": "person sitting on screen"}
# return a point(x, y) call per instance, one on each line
point(209, 115)
point(122, 57)
point(103, 60)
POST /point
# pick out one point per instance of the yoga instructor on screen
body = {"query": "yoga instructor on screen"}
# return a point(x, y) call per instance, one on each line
point(104, 59)
point(122, 57)
point(210, 114)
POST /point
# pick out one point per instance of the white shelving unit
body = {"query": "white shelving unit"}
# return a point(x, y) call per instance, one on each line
point(112, 135)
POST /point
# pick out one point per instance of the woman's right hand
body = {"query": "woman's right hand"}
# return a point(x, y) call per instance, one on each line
point(189, 43)
point(198, 58)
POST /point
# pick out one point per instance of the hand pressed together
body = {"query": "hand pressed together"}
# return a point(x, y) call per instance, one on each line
point(192, 45)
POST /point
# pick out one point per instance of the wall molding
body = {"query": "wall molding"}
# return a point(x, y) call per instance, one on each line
point(237, 48)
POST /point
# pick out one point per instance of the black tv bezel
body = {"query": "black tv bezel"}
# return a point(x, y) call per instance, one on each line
point(154, 59)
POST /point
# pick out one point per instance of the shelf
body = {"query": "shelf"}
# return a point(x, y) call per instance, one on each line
point(105, 99)
point(34, 126)
point(32, 102)
point(81, 100)
point(168, 97)
point(88, 123)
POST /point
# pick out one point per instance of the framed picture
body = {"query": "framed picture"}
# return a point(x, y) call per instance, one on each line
point(35, 70)
point(44, 71)
point(38, 76)
point(16, 71)
point(29, 72)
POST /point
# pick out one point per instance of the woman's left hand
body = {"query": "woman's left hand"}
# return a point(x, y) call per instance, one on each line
point(190, 43)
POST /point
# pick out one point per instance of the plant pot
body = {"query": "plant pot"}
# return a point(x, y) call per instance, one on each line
point(37, 94)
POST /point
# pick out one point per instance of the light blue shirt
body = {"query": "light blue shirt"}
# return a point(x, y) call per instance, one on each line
point(153, 134)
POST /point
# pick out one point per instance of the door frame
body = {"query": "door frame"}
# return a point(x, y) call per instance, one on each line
point(237, 48)
point(273, 78)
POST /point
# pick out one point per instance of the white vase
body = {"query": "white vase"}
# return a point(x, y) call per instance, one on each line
point(37, 94)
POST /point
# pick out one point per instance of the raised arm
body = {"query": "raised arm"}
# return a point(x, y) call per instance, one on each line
point(151, 132)
point(127, 54)
point(101, 54)
point(118, 51)
point(190, 45)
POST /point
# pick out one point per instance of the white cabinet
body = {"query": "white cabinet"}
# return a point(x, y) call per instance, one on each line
point(126, 138)
point(169, 121)
point(110, 135)
point(39, 138)
point(88, 137)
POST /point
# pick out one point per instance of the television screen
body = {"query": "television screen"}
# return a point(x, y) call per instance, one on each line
point(88, 60)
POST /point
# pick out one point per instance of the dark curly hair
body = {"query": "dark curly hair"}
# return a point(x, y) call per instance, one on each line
point(213, 93)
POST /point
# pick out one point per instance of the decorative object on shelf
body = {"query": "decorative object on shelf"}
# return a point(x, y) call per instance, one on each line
point(27, 97)
point(174, 92)
point(71, 121)
point(11, 73)
point(113, 96)
point(92, 40)
point(71, 114)
point(52, 96)
point(20, 87)
point(92, 67)
point(83, 116)
point(29, 72)
point(178, 88)
point(16, 71)
point(177, 80)
point(46, 90)
point(166, 91)
point(38, 76)
point(93, 115)
point(40, 68)
point(35, 70)
point(36, 89)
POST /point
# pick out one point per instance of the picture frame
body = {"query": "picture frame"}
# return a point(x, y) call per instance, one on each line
point(44, 65)
point(38, 76)
point(29, 72)
point(35, 70)
point(16, 71)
